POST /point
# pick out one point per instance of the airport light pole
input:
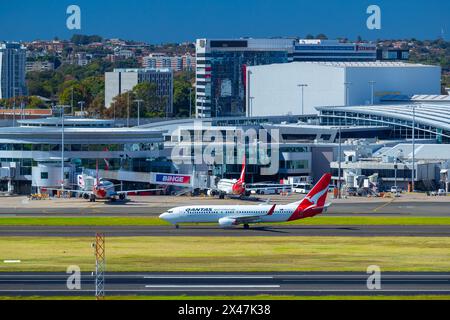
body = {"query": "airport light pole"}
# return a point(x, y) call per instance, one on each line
point(62, 108)
point(81, 103)
point(303, 86)
point(347, 93)
point(114, 112)
point(14, 106)
point(22, 111)
point(128, 109)
point(396, 167)
point(139, 101)
point(414, 148)
point(339, 162)
point(249, 74)
point(190, 102)
point(71, 103)
point(372, 84)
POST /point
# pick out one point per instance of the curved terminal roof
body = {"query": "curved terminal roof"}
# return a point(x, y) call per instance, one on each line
point(434, 115)
point(68, 122)
point(78, 135)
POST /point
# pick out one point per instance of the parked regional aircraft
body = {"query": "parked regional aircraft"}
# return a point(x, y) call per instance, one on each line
point(227, 187)
point(102, 190)
point(229, 216)
point(106, 190)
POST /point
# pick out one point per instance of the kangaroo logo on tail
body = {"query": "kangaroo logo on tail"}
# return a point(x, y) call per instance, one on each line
point(313, 204)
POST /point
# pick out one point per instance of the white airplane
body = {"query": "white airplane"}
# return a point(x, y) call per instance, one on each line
point(230, 216)
point(101, 190)
point(106, 190)
point(227, 187)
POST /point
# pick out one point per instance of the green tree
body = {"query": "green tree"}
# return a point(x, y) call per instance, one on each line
point(182, 88)
point(73, 92)
point(35, 103)
point(152, 106)
point(79, 39)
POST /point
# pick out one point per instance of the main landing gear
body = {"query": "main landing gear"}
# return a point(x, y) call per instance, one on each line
point(177, 226)
point(92, 198)
point(246, 226)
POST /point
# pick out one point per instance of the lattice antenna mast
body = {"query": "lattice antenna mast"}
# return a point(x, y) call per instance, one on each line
point(100, 266)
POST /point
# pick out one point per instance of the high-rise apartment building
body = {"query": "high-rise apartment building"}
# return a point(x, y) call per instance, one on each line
point(12, 70)
point(221, 66)
point(176, 63)
point(121, 81)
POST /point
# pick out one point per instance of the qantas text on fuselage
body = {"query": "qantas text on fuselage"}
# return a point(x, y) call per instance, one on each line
point(229, 216)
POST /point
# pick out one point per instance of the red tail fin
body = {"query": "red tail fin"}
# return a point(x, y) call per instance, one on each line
point(242, 177)
point(314, 202)
point(96, 172)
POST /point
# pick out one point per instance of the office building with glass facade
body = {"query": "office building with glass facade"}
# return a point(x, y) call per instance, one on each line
point(12, 70)
point(222, 66)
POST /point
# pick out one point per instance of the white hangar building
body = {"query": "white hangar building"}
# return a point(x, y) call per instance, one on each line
point(279, 89)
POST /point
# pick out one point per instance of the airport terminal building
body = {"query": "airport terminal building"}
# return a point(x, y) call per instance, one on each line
point(30, 154)
point(308, 145)
point(431, 121)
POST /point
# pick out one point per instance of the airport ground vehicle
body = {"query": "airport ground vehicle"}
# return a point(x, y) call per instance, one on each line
point(395, 189)
point(270, 188)
point(303, 188)
point(229, 216)
point(352, 191)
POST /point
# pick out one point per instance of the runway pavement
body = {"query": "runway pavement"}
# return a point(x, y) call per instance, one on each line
point(292, 283)
point(376, 208)
point(213, 231)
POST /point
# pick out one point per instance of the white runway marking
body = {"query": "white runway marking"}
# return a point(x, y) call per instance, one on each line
point(213, 286)
point(208, 277)
point(12, 261)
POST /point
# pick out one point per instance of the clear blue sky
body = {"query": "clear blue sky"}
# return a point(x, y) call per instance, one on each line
point(157, 21)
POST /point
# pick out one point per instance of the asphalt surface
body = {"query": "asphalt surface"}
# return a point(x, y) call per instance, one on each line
point(292, 283)
point(212, 231)
point(388, 208)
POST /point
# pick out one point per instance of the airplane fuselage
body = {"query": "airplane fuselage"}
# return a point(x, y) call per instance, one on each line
point(212, 214)
point(231, 187)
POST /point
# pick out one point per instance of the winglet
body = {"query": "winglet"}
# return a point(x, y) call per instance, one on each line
point(272, 210)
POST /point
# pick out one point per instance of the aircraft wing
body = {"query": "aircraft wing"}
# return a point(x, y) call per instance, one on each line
point(66, 190)
point(137, 191)
point(251, 219)
point(285, 189)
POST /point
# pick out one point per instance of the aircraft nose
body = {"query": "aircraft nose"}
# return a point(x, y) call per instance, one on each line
point(164, 216)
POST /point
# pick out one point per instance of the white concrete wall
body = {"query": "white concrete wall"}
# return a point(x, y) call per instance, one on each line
point(54, 176)
point(275, 92)
point(128, 81)
point(391, 80)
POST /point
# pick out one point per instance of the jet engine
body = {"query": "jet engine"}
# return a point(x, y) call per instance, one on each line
point(227, 222)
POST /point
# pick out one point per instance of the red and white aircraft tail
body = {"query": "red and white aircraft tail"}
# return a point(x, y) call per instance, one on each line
point(239, 187)
point(314, 202)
